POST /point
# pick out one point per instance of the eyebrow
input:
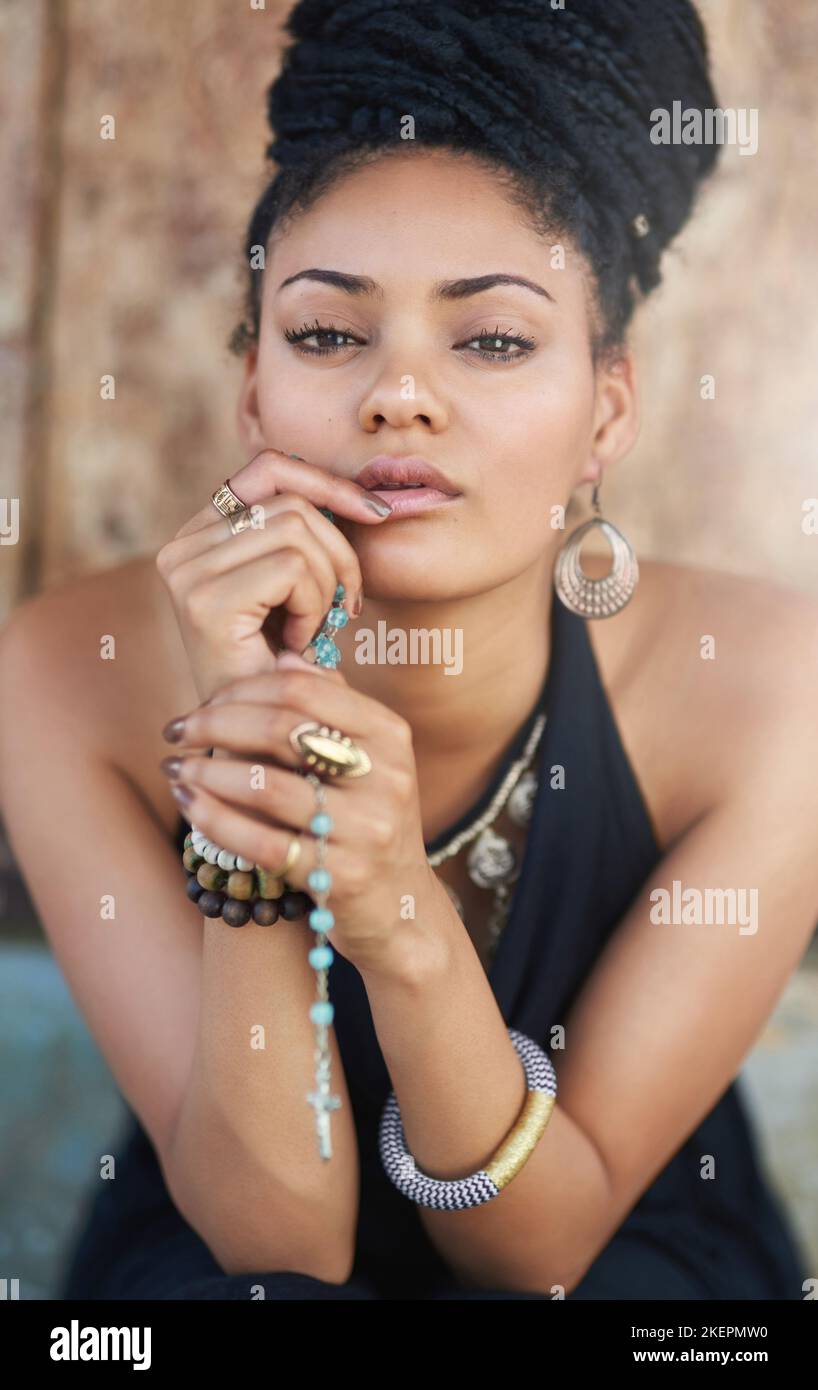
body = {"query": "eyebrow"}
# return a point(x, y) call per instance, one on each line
point(441, 290)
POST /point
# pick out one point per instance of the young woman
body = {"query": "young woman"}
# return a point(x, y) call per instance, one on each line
point(466, 206)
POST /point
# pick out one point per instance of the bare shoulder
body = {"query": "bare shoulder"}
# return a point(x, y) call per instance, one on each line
point(704, 670)
point(103, 656)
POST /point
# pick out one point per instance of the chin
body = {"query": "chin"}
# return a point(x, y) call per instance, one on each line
point(390, 583)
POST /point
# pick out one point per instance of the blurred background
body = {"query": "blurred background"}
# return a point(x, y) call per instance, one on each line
point(124, 257)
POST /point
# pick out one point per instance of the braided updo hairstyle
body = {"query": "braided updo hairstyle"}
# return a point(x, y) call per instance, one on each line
point(556, 103)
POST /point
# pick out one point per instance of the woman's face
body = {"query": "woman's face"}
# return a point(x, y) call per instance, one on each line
point(395, 367)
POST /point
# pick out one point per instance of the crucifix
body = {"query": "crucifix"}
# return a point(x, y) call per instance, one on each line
point(322, 1102)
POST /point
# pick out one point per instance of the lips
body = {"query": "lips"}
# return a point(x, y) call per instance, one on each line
point(390, 474)
point(411, 501)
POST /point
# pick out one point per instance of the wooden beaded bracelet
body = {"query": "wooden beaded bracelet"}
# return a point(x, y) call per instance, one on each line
point(239, 894)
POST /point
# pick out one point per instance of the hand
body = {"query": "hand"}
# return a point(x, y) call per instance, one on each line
point(240, 599)
point(375, 851)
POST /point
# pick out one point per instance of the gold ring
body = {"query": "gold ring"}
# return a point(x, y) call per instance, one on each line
point(225, 500)
point(239, 521)
point(293, 852)
point(328, 750)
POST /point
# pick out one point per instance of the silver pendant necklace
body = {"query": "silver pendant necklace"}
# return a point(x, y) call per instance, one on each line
point(493, 862)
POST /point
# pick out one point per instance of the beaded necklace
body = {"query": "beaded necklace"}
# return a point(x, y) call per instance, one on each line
point(493, 863)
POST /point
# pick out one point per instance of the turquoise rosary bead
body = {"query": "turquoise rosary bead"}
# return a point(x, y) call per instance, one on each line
point(321, 957)
point(326, 652)
point(321, 919)
point(319, 879)
point(321, 823)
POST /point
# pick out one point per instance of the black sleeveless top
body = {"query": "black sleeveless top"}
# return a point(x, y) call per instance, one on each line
point(590, 848)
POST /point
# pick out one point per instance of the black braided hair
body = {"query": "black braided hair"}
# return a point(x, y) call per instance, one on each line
point(555, 102)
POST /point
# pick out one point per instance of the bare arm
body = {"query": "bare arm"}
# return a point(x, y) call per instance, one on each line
point(171, 1013)
point(658, 1033)
point(281, 1206)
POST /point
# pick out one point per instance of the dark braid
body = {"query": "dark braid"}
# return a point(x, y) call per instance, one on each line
point(555, 103)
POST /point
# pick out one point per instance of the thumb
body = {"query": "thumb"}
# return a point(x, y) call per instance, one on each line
point(291, 661)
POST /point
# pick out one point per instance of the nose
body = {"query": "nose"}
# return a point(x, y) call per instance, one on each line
point(399, 398)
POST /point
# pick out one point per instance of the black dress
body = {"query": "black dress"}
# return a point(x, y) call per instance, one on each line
point(590, 848)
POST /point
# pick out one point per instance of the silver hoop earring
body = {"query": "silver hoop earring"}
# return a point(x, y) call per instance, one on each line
point(596, 598)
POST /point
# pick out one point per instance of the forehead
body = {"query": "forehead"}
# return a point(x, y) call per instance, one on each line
point(409, 219)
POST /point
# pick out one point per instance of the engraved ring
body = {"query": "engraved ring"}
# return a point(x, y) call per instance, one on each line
point(323, 749)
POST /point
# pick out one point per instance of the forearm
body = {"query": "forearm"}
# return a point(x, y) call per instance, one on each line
point(245, 1161)
point(460, 1087)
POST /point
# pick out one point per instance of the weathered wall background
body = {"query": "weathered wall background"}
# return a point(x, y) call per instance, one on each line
point(123, 257)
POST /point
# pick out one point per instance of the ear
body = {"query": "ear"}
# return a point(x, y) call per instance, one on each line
point(247, 412)
point(616, 415)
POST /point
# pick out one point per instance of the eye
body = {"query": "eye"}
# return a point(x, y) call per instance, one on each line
point(492, 345)
point(298, 337)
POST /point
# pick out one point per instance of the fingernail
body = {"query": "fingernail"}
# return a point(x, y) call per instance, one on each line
point(358, 604)
point(182, 793)
point(171, 766)
point(378, 505)
point(174, 730)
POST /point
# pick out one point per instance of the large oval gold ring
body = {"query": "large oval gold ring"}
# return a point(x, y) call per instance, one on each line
point(329, 750)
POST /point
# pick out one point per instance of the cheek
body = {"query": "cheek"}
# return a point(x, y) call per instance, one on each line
point(533, 456)
point(292, 406)
point(290, 413)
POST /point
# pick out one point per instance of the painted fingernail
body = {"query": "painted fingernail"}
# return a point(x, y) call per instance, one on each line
point(171, 766)
point(182, 793)
point(174, 730)
point(378, 505)
point(358, 604)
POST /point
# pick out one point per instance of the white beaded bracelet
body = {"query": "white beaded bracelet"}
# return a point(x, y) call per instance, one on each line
point(214, 854)
point(456, 1194)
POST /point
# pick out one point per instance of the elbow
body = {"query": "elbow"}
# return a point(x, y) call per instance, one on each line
point(329, 1262)
point(255, 1225)
point(547, 1281)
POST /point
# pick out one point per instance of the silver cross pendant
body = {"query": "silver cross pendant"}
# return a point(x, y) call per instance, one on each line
point(322, 1102)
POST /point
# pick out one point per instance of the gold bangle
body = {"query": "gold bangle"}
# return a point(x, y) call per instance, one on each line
point(456, 1194)
point(509, 1156)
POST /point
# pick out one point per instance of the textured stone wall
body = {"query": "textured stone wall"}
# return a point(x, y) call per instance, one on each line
point(123, 256)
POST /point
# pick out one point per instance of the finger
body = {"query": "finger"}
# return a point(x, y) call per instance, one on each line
point(310, 691)
point(272, 471)
point(256, 839)
point(254, 689)
point(263, 730)
point(259, 538)
point(273, 793)
point(257, 588)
